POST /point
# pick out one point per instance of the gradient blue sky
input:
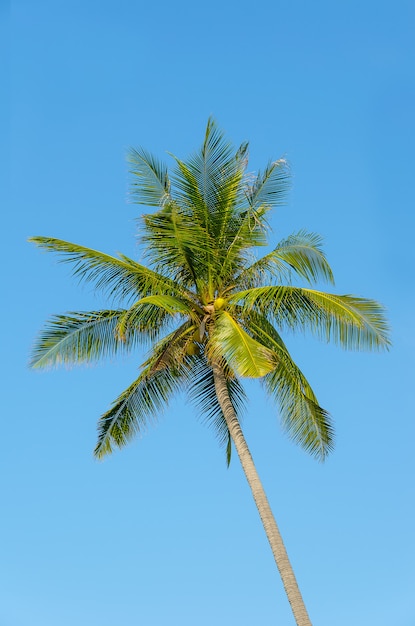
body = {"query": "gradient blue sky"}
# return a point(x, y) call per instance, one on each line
point(162, 533)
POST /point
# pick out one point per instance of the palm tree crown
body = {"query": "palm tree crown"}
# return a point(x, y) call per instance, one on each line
point(211, 311)
point(204, 296)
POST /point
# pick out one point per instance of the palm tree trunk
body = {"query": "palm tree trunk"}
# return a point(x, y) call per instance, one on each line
point(271, 529)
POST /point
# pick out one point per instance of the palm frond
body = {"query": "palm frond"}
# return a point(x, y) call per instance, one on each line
point(172, 304)
point(176, 243)
point(150, 184)
point(353, 322)
point(147, 321)
point(120, 278)
point(191, 200)
point(140, 403)
point(304, 420)
point(248, 230)
point(243, 354)
point(270, 187)
point(164, 373)
point(303, 252)
point(350, 321)
point(300, 253)
point(270, 266)
point(171, 350)
point(210, 165)
point(80, 337)
point(210, 185)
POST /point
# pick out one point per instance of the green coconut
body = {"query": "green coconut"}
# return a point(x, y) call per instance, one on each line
point(219, 304)
point(196, 335)
point(192, 349)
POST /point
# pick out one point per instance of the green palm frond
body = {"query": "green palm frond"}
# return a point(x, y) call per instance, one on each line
point(270, 187)
point(176, 244)
point(191, 199)
point(300, 253)
point(304, 420)
point(150, 184)
point(121, 277)
point(306, 423)
point(146, 320)
point(139, 404)
point(164, 373)
point(209, 188)
point(79, 337)
point(269, 266)
point(210, 166)
point(172, 304)
point(249, 229)
point(231, 204)
point(202, 394)
point(246, 356)
point(171, 350)
point(242, 155)
point(350, 321)
point(152, 315)
point(303, 252)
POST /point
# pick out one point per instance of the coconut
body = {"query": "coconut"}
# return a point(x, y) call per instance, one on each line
point(196, 335)
point(192, 349)
point(219, 304)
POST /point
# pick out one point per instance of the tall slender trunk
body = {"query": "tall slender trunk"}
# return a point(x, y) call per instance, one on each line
point(271, 529)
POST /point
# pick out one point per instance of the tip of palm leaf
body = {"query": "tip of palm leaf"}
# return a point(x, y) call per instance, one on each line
point(324, 452)
point(228, 452)
point(100, 451)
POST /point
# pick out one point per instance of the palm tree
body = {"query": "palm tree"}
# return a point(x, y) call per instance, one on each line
point(212, 313)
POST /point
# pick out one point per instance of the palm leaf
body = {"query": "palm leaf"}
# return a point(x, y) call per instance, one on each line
point(304, 254)
point(210, 165)
point(307, 423)
point(269, 188)
point(209, 188)
point(248, 229)
point(246, 356)
point(191, 200)
point(151, 185)
point(300, 253)
point(122, 278)
point(79, 337)
point(176, 244)
point(135, 407)
point(173, 305)
point(163, 374)
point(146, 320)
point(304, 420)
point(350, 321)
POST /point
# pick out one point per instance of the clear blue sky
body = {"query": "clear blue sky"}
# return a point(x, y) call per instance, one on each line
point(162, 533)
